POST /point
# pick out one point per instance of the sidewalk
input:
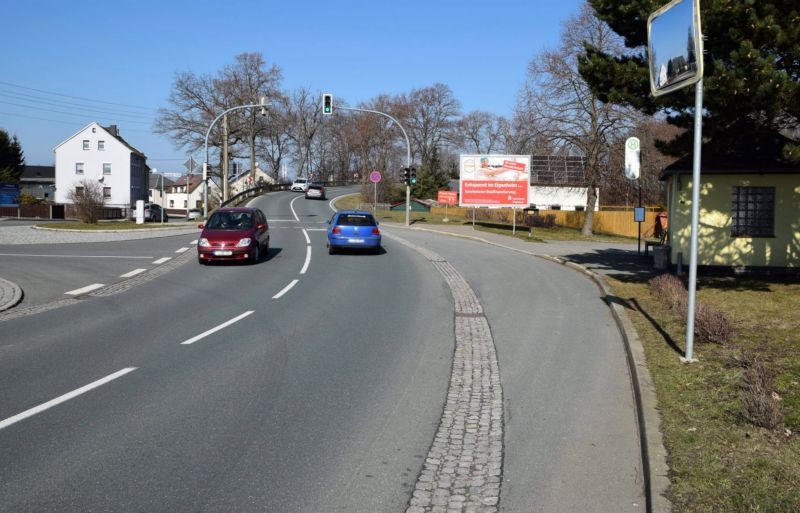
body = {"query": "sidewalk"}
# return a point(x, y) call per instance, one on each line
point(605, 258)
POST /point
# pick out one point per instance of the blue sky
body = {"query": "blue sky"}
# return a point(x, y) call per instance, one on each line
point(120, 58)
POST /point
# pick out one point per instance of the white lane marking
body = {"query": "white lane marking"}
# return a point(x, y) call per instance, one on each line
point(285, 289)
point(281, 221)
point(72, 256)
point(66, 397)
point(162, 260)
point(84, 290)
point(308, 260)
point(317, 229)
point(181, 250)
point(291, 206)
point(133, 273)
point(214, 330)
point(194, 242)
point(308, 241)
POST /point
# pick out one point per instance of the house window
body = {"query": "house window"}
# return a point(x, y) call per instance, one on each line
point(86, 144)
point(101, 145)
point(79, 168)
point(79, 192)
point(106, 168)
point(106, 192)
point(150, 193)
point(184, 203)
point(171, 203)
point(753, 212)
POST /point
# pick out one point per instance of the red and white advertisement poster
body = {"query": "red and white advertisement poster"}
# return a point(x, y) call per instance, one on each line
point(495, 180)
point(447, 197)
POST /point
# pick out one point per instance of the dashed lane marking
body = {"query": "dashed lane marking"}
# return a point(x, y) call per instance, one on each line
point(214, 330)
point(162, 260)
point(133, 273)
point(84, 290)
point(285, 289)
point(64, 398)
point(181, 250)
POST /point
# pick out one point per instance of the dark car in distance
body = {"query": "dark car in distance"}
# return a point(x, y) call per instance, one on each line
point(353, 229)
point(315, 190)
point(152, 212)
point(234, 234)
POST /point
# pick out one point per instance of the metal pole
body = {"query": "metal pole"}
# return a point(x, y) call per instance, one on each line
point(408, 151)
point(375, 198)
point(162, 198)
point(205, 145)
point(698, 126)
point(639, 244)
point(514, 222)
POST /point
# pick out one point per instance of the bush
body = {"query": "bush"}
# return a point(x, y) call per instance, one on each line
point(670, 290)
point(712, 325)
point(539, 221)
point(88, 200)
point(760, 405)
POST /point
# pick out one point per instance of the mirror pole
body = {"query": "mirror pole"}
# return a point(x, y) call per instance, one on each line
point(698, 126)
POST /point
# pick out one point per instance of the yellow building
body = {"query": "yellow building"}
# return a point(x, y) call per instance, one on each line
point(749, 212)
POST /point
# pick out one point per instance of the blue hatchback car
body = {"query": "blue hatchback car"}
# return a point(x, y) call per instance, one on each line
point(353, 229)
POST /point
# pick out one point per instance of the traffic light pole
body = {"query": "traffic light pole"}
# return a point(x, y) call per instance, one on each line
point(408, 153)
point(262, 105)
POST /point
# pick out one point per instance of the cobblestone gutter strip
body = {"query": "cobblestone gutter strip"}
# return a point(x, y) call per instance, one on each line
point(463, 469)
point(10, 294)
point(109, 290)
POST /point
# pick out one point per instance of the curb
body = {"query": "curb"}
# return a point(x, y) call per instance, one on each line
point(12, 299)
point(654, 454)
point(133, 230)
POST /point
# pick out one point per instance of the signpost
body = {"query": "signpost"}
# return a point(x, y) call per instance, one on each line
point(375, 177)
point(675, 62)
point(632, 169)
point(448, 198)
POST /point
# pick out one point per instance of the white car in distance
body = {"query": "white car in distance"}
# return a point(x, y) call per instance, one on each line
point(300, 185)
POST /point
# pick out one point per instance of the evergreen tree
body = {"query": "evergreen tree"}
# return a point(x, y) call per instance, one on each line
point(751, 82)
point(430, 177)
point(11, 158)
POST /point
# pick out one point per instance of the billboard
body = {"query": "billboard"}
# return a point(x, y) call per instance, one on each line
point(447, 197)
point(9, 195)
point(494, 180)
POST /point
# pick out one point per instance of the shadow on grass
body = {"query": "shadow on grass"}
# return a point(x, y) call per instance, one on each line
point(661, 331)
point(621, 264)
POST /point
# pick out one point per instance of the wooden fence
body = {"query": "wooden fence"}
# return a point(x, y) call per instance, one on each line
point(609, 220)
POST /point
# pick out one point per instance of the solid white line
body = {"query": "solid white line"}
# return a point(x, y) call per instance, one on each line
point(292, 207)
point(133, 273)
point(181, 250)
point(72, 256)
point(285, 289)
point(308, 260)
point(308, 241)
point(317, 229)
point(214, 330)
point(194, 242)
point(66, 397)
point(162, 260)
point(84, 290)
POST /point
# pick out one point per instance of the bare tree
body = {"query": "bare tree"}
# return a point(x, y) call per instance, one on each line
point(275, 144)
point(305, 116)
point(481, 131)
point(244, 83)
point(87, 196)
point(429, 115)
point(572, 115)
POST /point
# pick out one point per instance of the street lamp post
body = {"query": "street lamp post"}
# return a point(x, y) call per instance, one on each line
point(262, 106)
point(408, 152)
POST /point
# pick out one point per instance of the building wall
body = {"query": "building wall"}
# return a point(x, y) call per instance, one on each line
point(545, 197)
point(715, 245)
point(115, 153)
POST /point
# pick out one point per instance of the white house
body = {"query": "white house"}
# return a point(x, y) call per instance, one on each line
point(243, 181)
point(100, 154)
point(159, 189)
point(177, 201)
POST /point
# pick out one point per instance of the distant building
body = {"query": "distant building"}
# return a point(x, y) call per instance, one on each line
point(559, 182)
point(100, 154)
point(38, 181)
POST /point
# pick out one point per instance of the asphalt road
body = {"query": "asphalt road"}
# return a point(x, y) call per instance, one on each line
point(307, 382)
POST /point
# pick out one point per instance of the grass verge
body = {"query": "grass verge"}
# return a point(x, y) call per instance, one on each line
point(719, 461)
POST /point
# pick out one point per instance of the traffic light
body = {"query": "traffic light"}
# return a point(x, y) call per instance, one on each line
point(263, 105)
point(413, 176)
point(327, 104)
point(407, 175)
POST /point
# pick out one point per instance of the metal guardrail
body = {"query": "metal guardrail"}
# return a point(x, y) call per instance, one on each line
point(263, 189)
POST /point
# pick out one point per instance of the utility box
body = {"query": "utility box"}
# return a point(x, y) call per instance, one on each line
point(661, 256)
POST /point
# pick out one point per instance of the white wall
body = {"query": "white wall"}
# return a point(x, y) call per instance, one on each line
point(115, 153)
point(567, 198)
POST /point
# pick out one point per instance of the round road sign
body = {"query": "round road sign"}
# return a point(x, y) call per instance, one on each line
point(375, 177)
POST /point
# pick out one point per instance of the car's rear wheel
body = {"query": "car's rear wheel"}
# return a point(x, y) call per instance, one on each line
point(256, 256)
point(331, 249)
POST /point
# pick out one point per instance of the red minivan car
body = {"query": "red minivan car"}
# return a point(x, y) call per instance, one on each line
point(234, 234)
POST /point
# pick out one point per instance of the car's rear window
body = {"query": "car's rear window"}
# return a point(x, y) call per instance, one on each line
point(315, 187)
point(356, 220)
point(300, 180)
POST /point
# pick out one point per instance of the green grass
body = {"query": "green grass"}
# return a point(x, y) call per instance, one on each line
point(113, 225)
point(719, 461)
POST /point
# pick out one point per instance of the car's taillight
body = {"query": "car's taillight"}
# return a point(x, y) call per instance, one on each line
point(337, 230)
point(376, 231)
